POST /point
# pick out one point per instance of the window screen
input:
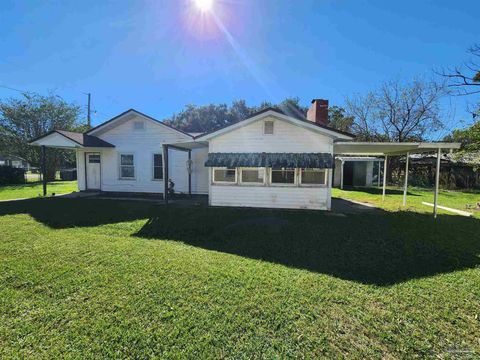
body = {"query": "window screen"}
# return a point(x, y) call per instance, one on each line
point(314, 176)
point(283, 176)
point(253, 175)
point(224, 175)
point(157, 167)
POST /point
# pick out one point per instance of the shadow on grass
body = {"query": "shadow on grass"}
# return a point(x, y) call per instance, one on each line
point(380, 248)
point(67, 213)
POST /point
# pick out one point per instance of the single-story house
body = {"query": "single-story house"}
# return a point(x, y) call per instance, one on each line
point(14, 161)
point(273, 159)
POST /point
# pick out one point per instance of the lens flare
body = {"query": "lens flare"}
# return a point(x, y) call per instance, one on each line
point(204, 5)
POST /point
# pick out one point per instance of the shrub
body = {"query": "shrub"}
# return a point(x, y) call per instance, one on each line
point(11, 175)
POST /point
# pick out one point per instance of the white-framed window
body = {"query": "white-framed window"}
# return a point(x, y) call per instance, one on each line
point(94, 158)
point(282, 176)
point(225, 175)
point(268, 127)
point(127, 166)
point(313, 176)
point(252, 176)
point(138, 125)
point(157, 166)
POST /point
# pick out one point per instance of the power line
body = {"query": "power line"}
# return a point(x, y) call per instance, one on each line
point(13, 89)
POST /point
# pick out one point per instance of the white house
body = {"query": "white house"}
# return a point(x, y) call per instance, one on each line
point(273, 159)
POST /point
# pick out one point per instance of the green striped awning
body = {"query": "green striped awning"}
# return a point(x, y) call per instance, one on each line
point(274, 160)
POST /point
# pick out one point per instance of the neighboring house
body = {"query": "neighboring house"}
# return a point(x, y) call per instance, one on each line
point(272, 159)
point(14, 161)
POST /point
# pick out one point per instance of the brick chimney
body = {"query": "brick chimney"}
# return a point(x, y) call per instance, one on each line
point(318, 112)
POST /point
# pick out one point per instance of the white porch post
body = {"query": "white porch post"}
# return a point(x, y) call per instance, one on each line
point(437, 182)
point(385, 167)
point(341, 175)
point(406, 181)
point(379, 172)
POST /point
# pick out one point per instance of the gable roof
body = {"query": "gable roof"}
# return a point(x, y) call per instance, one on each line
point(118, 117)
point(81, 139)
point(291, 117)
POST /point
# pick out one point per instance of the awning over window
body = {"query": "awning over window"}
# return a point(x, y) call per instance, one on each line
point(274, 160)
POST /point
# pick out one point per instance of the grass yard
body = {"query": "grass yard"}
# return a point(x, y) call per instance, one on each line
point(31, 190)
point(415, 196)
point(86, 278)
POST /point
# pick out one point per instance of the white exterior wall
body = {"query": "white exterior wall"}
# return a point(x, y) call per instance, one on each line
point(270, 197)
point(369, 179)
point(286, 138)
point(338, 173)
point(143, 144)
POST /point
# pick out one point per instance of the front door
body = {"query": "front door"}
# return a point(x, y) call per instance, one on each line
point(93, 171)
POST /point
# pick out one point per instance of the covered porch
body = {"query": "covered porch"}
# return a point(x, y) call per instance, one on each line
point(386, 149)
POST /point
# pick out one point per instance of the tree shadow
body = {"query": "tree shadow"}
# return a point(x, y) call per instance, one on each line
point(61, 213)
point(379, 248)
point(367, 248)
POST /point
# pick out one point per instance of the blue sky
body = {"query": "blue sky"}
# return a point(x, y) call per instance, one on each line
point(158, 56)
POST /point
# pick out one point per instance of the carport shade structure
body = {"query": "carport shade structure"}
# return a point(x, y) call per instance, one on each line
point(61, 139)
point(406, 148)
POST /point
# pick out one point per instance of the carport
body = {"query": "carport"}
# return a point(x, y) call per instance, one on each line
point(387, 149)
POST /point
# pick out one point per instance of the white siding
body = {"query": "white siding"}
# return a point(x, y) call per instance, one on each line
point(80, 155)
point(270, 197)
point(337, 173)
point(286, 138)
point(143, 144)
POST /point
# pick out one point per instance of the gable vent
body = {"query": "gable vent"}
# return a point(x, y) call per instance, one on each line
point(268, 128)
point(138, 125)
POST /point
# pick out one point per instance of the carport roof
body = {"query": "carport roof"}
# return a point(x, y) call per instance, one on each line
point(388, 148)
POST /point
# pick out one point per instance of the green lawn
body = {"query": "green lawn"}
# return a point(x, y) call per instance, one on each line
point(32, 190)
point(394, 198)
point(86, 278)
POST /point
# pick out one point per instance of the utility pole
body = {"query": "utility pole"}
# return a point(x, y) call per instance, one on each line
point(89, 121)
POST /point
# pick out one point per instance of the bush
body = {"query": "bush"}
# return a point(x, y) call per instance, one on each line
point(10, 175)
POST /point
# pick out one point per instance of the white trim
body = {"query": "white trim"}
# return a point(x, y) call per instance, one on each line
point(216, 182)
point(134, 178)
point(153, 166)
point(270, 113)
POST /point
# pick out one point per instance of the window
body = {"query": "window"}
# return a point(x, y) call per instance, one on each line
point(225, 175)
point(313, 176)
point(127, 166)
point(268, 128)
point(138, 125)
point(252, 176)
point(94, 159)
point(157, 167)
point(283, 176)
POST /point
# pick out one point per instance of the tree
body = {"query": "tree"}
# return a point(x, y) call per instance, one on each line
point(337, 119)
point(398, 111)
point(469, 138)
point(465, 79)
point(209, 117)
point(31, 116)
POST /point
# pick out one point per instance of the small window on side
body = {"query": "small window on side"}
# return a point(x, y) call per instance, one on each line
point(283, 176)
point(252, 176)
point(268, 128)
point(314, 177)
point(225, 175)
point(157, 167)
point(127, 166)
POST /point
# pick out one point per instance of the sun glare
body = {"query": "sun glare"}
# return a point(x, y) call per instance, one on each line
point(204, 5)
